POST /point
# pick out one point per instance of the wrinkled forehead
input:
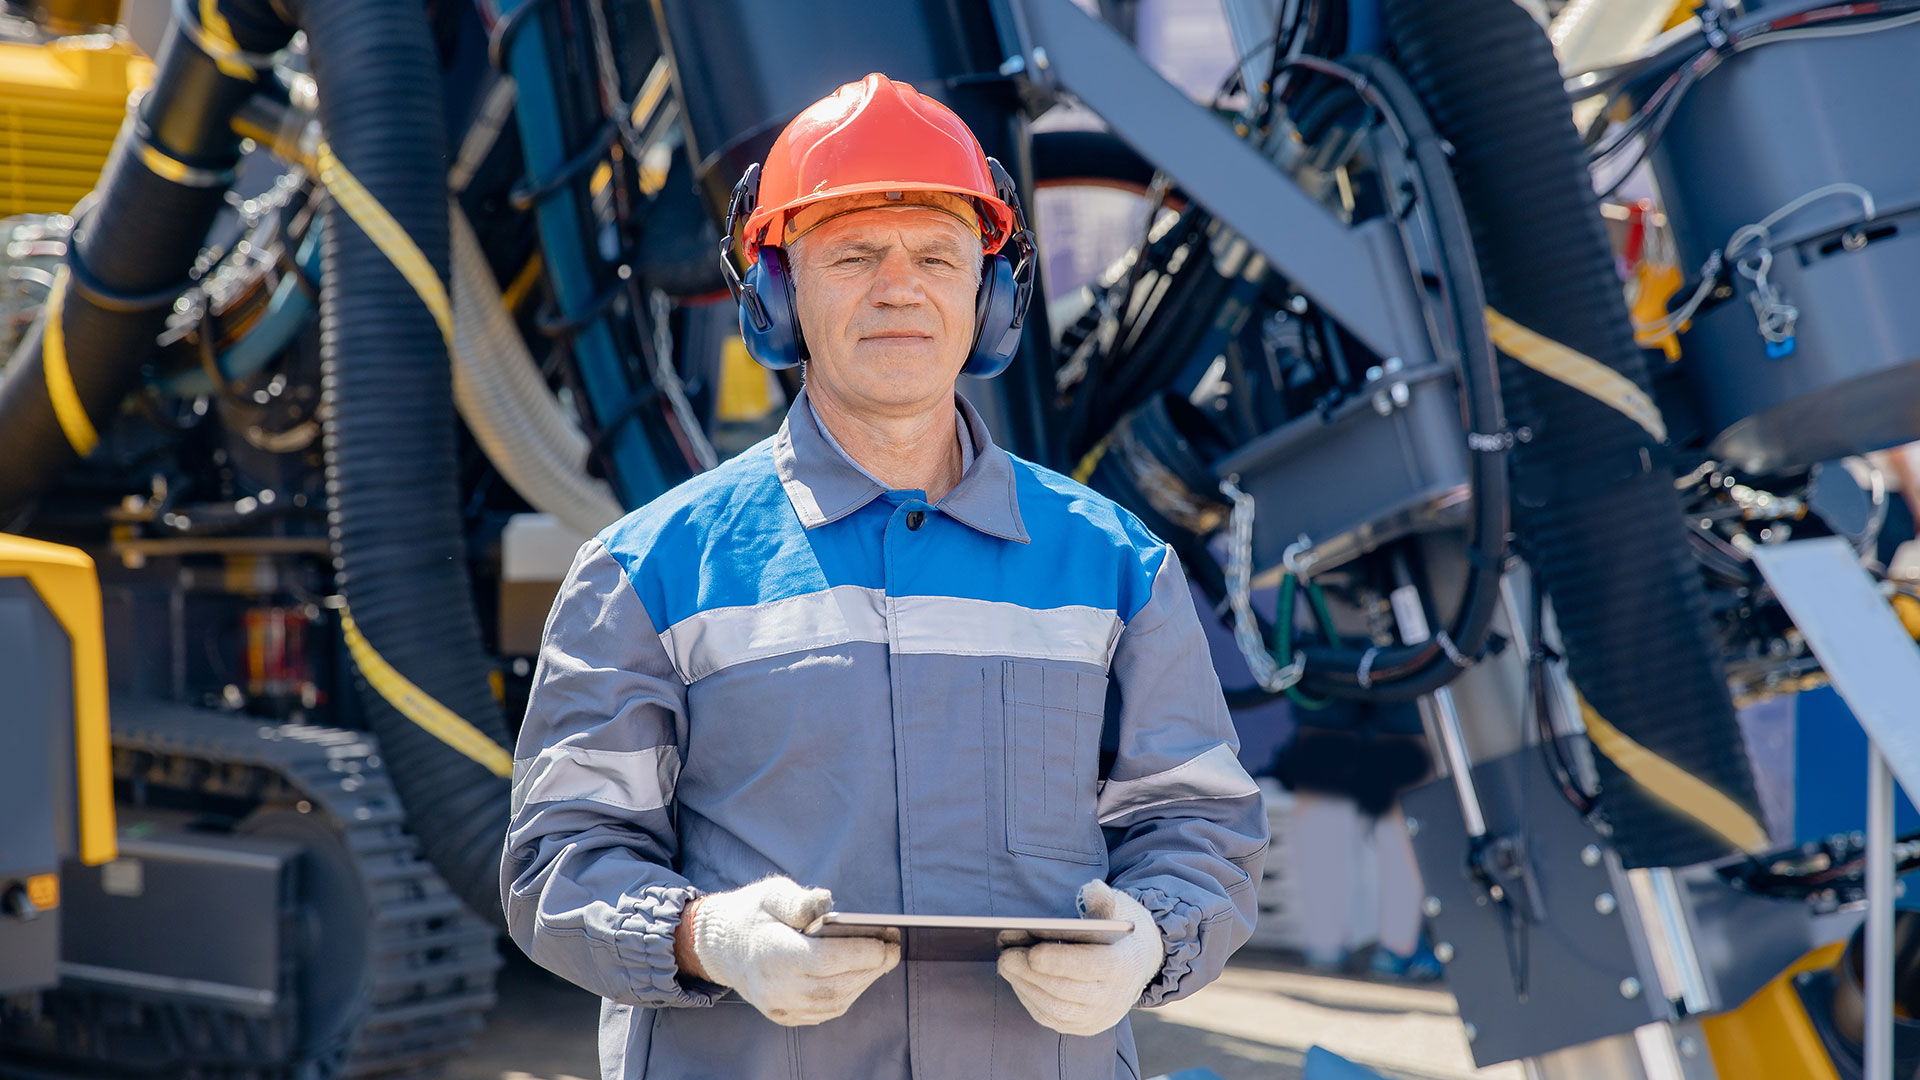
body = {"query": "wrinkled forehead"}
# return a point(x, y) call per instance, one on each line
point(918, 227)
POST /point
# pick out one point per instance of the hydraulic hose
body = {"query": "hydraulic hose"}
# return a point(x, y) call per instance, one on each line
point(387, 402)
point(1404, 672)
point(127, 261)
point(1594, 504)
point(505, 401)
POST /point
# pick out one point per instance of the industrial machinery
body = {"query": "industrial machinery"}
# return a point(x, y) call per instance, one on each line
point(330, 429)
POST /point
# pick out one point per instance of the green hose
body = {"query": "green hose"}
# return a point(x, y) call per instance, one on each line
point(1283, 633)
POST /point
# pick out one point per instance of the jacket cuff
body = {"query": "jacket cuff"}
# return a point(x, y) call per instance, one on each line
point(645, 943)
point(1179, 924)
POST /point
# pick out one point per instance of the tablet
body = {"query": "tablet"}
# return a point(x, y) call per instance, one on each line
point(967, 937)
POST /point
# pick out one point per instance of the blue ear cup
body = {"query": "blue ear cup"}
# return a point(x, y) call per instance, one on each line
point(1006, 289)
point(996, 334)
point(769, 325)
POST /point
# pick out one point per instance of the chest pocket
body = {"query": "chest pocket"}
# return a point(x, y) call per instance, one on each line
point(1053, 717)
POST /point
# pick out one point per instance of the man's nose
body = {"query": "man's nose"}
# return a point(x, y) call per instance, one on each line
point(897, 281)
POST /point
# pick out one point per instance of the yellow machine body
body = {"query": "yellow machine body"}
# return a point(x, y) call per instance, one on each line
point(1770, 1033)
point(61, 103)
point(65, 581)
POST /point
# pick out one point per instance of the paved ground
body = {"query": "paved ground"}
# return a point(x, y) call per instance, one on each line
point(1255, 1023)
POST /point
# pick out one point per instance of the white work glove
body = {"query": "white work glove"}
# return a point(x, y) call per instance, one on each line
point(1086, 989)
point(750, 939)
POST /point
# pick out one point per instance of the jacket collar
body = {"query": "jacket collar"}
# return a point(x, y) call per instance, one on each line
point(825, 485)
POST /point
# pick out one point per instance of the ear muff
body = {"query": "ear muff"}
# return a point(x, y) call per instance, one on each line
point(1006, 289)
point(771, 331)
point(769, 324)
point(996, 323)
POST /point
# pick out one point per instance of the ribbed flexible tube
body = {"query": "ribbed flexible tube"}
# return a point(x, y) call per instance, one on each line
point(505, 401)
point(1595, 509)
point(387, 403)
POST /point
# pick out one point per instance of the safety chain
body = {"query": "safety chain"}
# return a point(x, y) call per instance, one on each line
point(1246, 629)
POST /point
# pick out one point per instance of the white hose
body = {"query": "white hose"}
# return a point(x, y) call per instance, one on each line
point(505, 401)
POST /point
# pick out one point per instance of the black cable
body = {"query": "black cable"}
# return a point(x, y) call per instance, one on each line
point(1552, 751)
point(526, 194)
point(1404, 672)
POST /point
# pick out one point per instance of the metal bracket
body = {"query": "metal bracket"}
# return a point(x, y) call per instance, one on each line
point(1341, 269)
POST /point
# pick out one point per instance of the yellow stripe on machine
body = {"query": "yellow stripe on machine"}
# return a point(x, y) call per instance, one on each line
point(396, 689)
point(65, 580)
point(1578, 370)
point(419, 706)
point(61, 390)
point(388, 236)
point(226, 49)
point(1673, 785)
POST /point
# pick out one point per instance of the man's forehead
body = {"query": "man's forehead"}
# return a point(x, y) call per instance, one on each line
point(921, 225)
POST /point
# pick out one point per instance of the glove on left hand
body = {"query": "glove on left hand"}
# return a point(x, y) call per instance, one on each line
point(1086, 989)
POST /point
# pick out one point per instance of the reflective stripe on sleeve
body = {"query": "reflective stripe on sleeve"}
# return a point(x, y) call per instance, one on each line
point(636, 780)
point(1215, 774)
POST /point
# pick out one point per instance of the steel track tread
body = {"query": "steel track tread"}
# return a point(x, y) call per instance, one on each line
point(431, 961)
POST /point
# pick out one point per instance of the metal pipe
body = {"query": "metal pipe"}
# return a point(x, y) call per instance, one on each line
point(1878, 962)
point(1453, 745)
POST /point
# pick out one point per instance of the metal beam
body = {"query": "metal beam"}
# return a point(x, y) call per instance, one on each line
point(1335, 266)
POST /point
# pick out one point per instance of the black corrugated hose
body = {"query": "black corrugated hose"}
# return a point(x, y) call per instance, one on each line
point(387, 403)
point(1595, 508)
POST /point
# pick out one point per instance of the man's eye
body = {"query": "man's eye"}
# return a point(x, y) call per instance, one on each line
point(846, 259)
point(937, 261)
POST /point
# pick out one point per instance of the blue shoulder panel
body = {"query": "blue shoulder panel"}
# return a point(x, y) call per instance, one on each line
point(730, 538)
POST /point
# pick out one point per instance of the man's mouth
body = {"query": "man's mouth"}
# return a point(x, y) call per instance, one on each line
point(897, 335)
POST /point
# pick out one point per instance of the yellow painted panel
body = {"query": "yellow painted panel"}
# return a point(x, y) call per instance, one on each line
point(66, 582)
point(61, 104)
point(1770, 1034)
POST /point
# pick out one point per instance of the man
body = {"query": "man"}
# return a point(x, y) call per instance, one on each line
point(876, 663)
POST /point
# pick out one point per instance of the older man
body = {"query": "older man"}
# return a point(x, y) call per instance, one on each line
point(880, 664)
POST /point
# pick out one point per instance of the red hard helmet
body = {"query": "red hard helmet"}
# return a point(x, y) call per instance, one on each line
point(875, 135)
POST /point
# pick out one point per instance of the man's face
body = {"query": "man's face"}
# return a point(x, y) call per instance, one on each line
point(886, 298)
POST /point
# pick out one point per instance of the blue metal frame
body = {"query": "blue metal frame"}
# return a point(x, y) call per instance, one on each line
point(637, 474)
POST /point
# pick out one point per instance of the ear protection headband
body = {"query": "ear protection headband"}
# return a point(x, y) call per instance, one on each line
point(770, 323)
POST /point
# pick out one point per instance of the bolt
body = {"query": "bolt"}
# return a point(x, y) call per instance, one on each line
point(1374, 374)
point(1853, 240)
point(1297, 304)
point(1431, 908)
point(1497, 892)
point(1689, 1046)
point(1590, 855)
point(1040, 58)
point(1413, 826)
point(1443, 952)
point(1629, 988)
point(1472, 1032)
point(1383, 404)
point(1604, 903)
point(1401, 395)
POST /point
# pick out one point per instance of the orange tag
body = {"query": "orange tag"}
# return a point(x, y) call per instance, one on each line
point(44, 891)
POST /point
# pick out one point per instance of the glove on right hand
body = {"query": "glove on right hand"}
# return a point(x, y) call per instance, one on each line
point(750, 939)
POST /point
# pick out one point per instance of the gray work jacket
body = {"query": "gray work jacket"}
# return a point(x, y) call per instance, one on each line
point(969, 707)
